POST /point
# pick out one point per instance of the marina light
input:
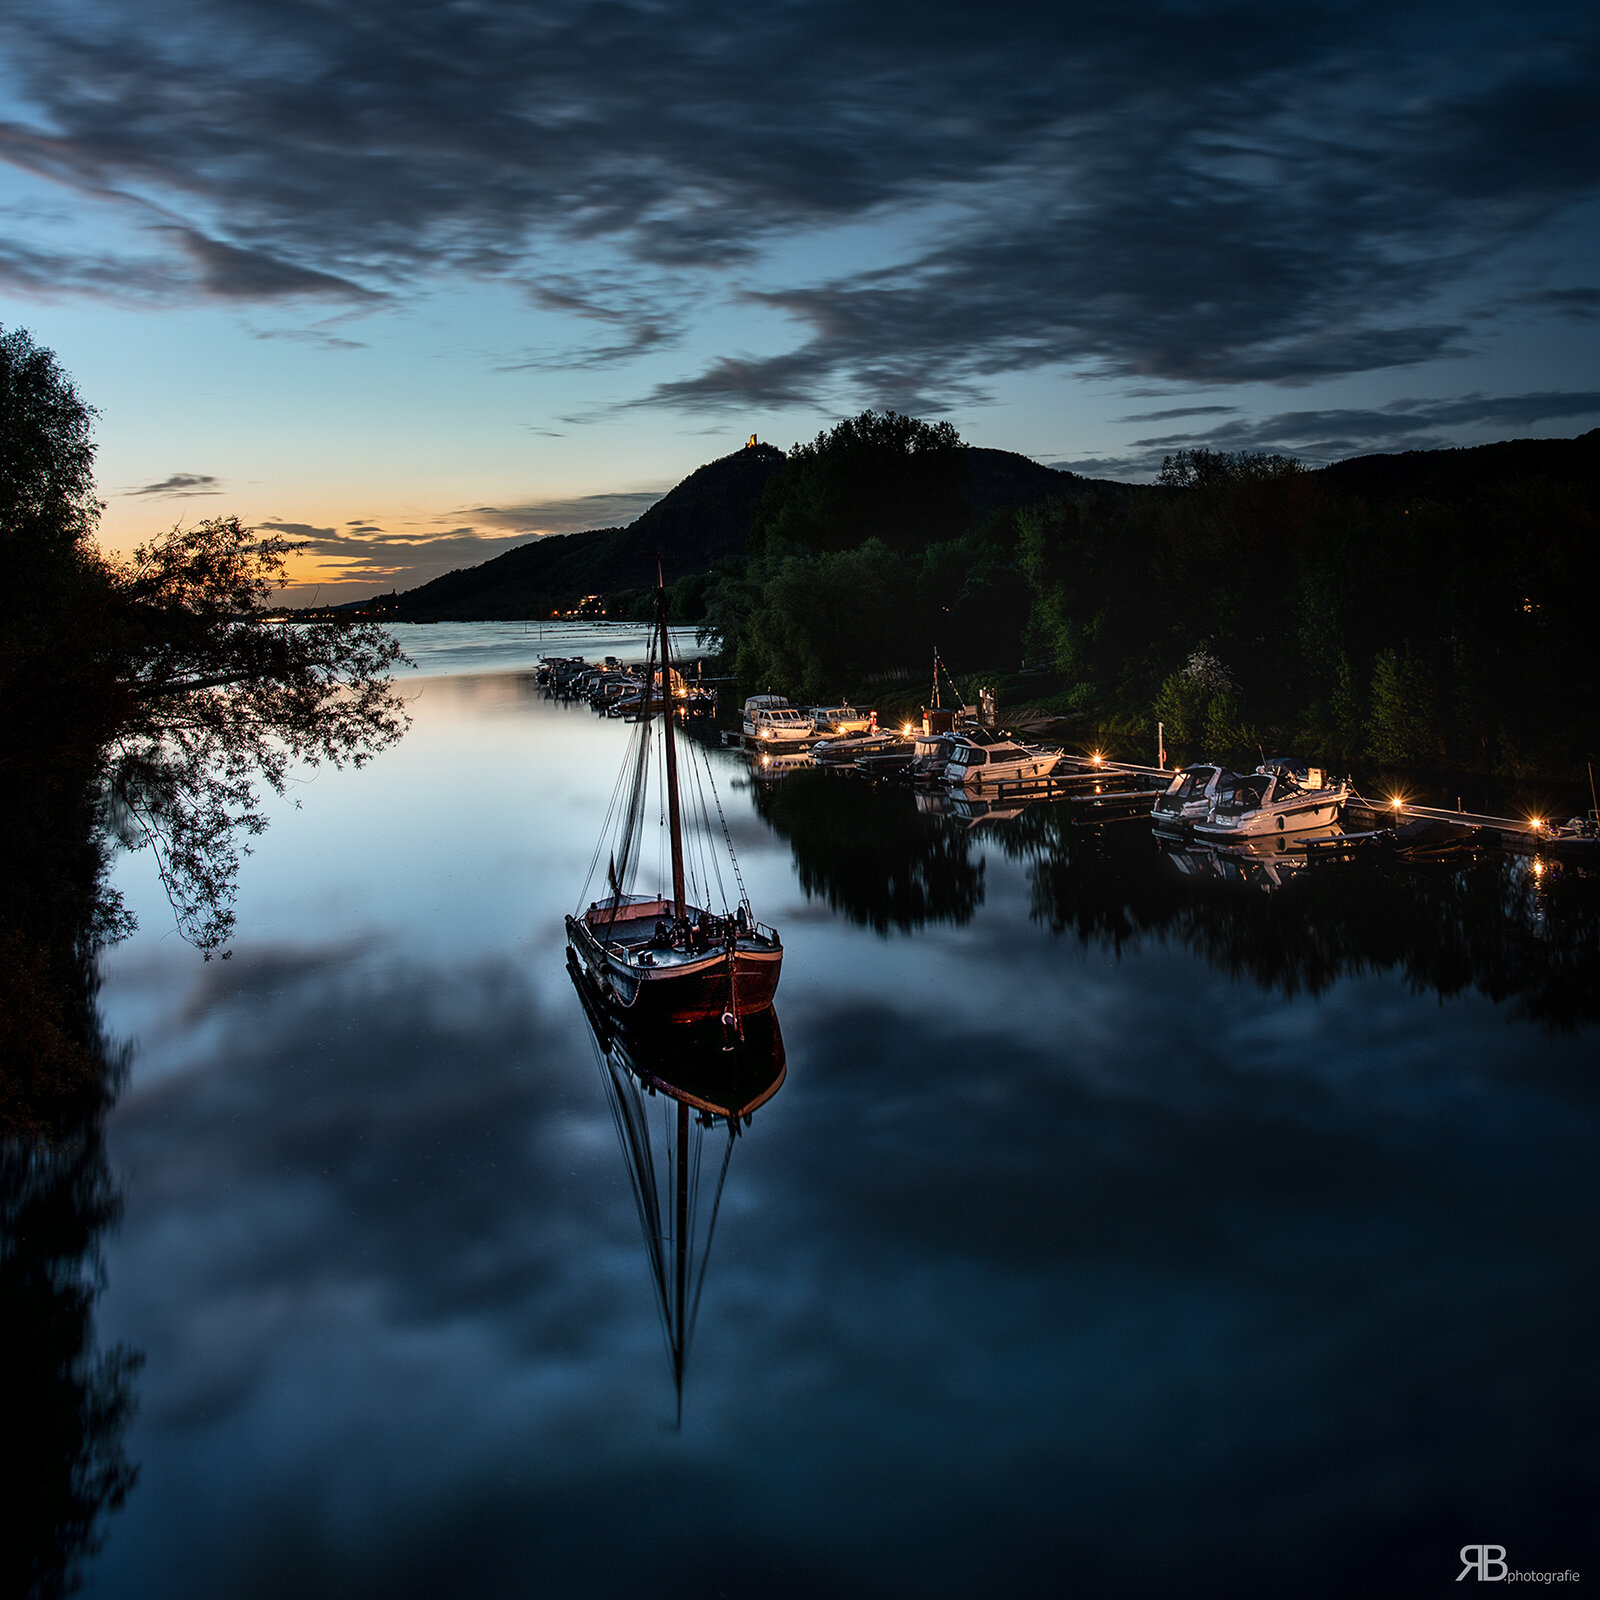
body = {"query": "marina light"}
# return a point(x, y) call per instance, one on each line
point(1397, 803)
point(907, 730)
point(1097, 758)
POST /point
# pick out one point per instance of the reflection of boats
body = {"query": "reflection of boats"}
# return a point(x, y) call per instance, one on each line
point(1280, 795)
point(1187, 799)
point(778, 763)
point(978, 758)
point(661, 955)
point(1265, 861)
point(771, 717)
point(670, 1091)
point(965, 808)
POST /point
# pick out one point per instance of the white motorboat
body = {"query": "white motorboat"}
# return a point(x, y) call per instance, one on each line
point(1281, 795)
point(772, 718)
point(979, 759)
point(839, 721)
point(1189, 797)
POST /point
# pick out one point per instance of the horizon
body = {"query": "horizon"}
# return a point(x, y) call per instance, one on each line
point(418, 288)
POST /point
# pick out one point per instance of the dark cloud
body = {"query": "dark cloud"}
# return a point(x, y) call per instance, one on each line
point(230, 273)
point(568, 516)
point(1180, 411)
point(1331, 435)
point(180, 485)
point(1202, 193)
point(365, 555)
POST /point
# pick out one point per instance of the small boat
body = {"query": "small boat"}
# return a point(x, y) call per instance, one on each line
point(930, 755)
point(1576, 841)
point(771, 717)
point(659, 956)
point(839, 721)
point(1281, 795)
point(978, 759)
point(850, 746)
point(1188, 798)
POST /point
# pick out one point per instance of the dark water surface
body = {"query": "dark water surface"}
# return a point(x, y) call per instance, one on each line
point(1112, 1233)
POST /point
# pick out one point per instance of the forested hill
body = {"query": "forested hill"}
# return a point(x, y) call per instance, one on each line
point(1452, 477)
point(705, 520)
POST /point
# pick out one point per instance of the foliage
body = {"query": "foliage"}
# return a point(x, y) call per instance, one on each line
point(1356, 622)
point(878, 476)
point(862, 560)
point(158, 692)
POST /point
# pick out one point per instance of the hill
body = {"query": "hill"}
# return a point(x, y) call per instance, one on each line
point(1454, 476)
point(705, 520)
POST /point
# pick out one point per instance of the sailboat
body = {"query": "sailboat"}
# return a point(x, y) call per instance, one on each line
point(666, 957)
point(672, 1094)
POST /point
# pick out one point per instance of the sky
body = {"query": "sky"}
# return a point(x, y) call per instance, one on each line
point(416, 282)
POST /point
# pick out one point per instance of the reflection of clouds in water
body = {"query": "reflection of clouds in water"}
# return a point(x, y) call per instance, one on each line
point(978, 1288)
point(1044, 1247)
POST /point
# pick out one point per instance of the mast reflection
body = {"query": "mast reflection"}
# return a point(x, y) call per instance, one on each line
point(674, 1090)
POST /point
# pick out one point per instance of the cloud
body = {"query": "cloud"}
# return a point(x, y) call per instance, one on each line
point(180, 485)
point(1331, 435)
point(229, 273)
point(365, 555)
point(568, 516)
point(1206, 194)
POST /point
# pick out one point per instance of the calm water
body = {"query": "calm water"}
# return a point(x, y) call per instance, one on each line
point(1111, 1232)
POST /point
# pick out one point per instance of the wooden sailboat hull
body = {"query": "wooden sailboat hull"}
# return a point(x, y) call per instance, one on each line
point(666, 985)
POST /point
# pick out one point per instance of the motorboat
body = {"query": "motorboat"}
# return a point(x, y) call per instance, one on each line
point(1189, 797)
point(839, 721)
point(978, 759)
point(1281, 795)
point(772, 718)
point(851, 746)
point(654, 955)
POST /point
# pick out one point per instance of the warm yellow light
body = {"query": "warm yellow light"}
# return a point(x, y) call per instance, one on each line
point(1397, 803)
point(907, 728)
point(1538, 868)
point(1097, 758)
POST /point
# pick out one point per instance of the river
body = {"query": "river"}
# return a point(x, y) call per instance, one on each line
point(1111, 1232)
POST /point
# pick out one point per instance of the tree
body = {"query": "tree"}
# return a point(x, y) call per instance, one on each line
point(48, 511)
point(879, 475)
point(216, 696)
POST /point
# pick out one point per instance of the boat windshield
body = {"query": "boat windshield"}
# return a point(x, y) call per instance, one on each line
point(1191, 782)
point(1244, 794)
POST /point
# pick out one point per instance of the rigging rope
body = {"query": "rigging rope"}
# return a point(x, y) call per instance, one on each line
point(738, 877)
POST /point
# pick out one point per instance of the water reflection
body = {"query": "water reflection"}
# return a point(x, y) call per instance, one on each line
point(1293, 916)
point(65, 1403)
point(709, 1088)
point(1496, 923)
point(867, 850)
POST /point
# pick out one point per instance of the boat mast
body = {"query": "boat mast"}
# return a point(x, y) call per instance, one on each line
point(674, 816)
point(680, 1261)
